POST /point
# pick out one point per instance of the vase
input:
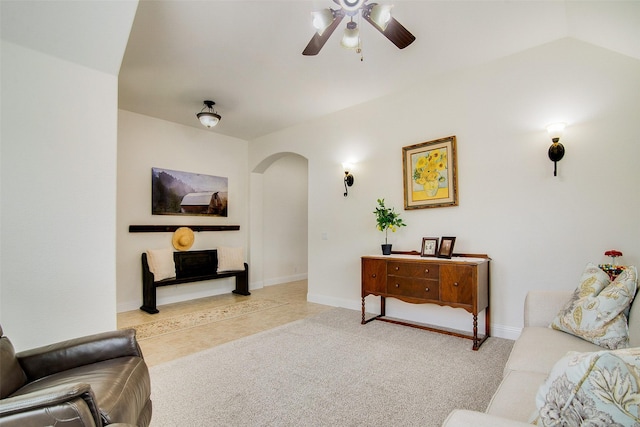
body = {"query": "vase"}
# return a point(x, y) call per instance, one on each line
point(431, 188)
point(386, 249)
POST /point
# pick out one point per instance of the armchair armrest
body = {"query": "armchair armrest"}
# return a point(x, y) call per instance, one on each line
point(541, 307)
point(41, 407)
point(466, 418)
point(43, 361)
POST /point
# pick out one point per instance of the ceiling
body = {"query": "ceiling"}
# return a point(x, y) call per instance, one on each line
point(246, 55)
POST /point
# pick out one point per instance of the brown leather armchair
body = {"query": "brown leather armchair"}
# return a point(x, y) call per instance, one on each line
point(96, 380)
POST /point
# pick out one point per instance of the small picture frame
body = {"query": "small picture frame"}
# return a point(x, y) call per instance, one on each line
point(446, 247)
point(429, 246)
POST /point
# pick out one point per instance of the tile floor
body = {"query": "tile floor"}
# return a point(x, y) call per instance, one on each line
point(181, 343)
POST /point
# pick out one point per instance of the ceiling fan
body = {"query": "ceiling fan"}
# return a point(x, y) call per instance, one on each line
point(327, 20)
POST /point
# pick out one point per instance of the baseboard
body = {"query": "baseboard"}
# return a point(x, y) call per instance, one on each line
point(373, 306)
point(179, 297)
point(284, 279)
point(507, 332)
point(128, 306)
point(333, 302)
point(184, 292)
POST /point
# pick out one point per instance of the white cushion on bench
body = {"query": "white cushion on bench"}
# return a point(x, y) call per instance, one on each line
point(230, 259)
point(161, 263)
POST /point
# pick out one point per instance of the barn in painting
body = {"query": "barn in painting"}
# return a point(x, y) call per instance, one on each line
point(205, 203)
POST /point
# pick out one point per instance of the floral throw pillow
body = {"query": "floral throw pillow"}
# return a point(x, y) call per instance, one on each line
point(598, 308)
point(591, 389)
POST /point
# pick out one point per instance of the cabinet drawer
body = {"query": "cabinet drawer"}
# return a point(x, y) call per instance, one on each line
point(411, 269)
point(415, 288)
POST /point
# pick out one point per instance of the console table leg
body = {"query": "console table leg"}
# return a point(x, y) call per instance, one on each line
point(487, 322)
point(363, 321)
point(476, 344)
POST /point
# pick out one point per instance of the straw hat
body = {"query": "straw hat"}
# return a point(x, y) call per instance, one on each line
point(183, 238)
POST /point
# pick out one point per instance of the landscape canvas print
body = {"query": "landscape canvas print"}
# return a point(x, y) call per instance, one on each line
point(186, 193)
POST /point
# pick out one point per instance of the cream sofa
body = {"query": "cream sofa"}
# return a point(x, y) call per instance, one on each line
point(533, 356)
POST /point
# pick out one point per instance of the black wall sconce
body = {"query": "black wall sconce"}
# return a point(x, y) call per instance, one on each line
point(556, 151)
point(348, 178)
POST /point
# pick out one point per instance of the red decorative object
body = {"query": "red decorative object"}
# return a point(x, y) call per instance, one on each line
point(612, 269)
point(613, 253)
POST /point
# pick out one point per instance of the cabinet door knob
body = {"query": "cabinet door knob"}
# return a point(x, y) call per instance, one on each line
point(397, 285)
point(373, 275)
point(397, 268)
point(426, 270)
point(426, 289)
point(455, 284)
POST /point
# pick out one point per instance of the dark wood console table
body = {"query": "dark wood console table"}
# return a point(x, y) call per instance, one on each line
point(459, 282)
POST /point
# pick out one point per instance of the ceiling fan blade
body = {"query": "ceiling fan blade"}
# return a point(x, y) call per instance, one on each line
point(395, 32)
point(317, 41)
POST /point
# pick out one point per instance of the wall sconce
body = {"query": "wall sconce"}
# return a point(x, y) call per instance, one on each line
point(556, 151)
point(208, 118)
point(348, 178)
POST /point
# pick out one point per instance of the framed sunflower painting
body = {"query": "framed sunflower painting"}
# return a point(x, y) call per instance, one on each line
point(430, 174)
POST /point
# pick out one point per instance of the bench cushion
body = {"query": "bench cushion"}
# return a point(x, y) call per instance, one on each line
point(161, 263)
point(230, 259)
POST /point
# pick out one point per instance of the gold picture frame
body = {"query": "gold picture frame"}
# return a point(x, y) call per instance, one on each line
point(430, 174)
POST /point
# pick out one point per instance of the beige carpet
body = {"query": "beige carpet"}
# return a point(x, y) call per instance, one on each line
point(203, 317)
point(329, 370)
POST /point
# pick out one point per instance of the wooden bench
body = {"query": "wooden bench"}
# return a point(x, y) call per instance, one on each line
point(191, 266)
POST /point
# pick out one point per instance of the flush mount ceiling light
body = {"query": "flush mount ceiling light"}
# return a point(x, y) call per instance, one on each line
point(208, 118)
point(327, 20)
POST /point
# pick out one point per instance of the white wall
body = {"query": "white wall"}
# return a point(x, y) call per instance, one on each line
point(144, 143)
point(284, 239)
point(58, 198)
point(540, 230)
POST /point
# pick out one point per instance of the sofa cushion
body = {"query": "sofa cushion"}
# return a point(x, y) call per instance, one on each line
point(599, 388)
point(121, 386)
point(516, 395)
point(538, 349)
point(598, 308)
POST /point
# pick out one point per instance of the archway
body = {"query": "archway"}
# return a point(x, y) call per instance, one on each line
point(278, 220)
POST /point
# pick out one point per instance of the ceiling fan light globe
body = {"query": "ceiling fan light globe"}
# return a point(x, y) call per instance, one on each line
point(351, 38)
point(208, 119)
point(322, 20)
point(381, 15)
